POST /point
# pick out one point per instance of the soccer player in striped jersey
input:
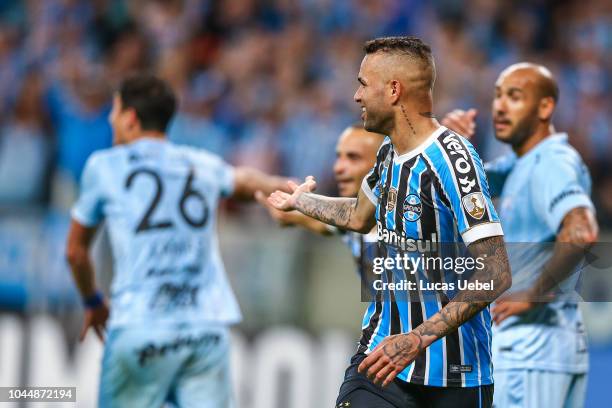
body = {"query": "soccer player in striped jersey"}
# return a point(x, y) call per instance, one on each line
point(427, 187)
point(171, 303)
point(539, 347)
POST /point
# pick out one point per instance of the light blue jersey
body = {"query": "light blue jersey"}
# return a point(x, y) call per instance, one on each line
point(537, 191)
point(160, 201)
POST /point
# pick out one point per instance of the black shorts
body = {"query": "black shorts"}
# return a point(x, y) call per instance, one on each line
point(357, 391)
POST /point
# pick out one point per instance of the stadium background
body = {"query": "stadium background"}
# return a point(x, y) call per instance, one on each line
point(266, 83)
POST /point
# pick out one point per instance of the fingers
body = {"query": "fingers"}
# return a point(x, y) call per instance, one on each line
point(311, 183)
point(380, 377)
point(367, 362)
point(99, 329)
point(378, 369)
point(279, 200)
point(461, 121)
point(500, 312)
point(292, 185)
point(389, 378)
point(374, 370)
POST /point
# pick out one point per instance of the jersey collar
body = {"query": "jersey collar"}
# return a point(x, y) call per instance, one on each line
point(420, 148)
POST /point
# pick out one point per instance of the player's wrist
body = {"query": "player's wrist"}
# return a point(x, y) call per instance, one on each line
point(93, 301)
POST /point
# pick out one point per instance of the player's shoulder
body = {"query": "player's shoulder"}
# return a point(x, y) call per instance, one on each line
point(449, 153)
point(560, 148)
point(106, 157)
point(555, 153)
point(198, 155)
point(453, 141)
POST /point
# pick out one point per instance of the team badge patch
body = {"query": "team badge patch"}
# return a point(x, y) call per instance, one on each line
point(392, 198)
point(474, 205)
point(412, 207)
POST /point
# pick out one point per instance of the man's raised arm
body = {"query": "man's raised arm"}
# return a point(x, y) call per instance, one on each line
point(356, 214)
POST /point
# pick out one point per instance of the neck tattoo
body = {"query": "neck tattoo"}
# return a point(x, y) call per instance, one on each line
point(428, 114)
point(408, 120)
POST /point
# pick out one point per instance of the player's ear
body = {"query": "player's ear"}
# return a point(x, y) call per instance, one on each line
point(546, 108)
point(395, 90)
point(132, 118)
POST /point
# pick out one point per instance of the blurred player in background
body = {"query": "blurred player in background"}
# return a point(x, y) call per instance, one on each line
point(416, 192)
point(171, 303)
point(539, 349)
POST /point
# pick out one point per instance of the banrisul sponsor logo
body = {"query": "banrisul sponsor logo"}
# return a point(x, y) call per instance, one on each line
point(393, 238)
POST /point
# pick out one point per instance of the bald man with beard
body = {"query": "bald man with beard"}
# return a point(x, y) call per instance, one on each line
point(539, 345)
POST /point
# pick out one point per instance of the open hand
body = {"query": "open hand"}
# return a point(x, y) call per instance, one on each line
point(287, 202)
point(283, 218)
point(96, 319)
point(462, 122)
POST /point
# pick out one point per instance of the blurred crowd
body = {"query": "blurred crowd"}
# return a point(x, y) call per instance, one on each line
point(270, 83)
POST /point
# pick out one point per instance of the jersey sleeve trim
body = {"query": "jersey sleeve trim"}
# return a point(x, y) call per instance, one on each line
point(560, 208)
point(480, 231)
point(229, 183)
point(82, 219)
point(368, 191)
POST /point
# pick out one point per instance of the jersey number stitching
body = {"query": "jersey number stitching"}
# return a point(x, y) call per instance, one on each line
point(188, 191)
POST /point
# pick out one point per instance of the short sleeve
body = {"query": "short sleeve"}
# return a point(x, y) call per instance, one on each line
point(371, 182)
point(462, 177)
point(88, 210)
point(226, 178)
point(560, 183)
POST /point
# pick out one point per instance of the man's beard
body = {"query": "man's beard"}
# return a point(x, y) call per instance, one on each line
point(378, 124)
point(523, 129)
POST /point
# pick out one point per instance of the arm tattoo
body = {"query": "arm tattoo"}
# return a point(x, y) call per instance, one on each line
point(333, 211)
point(468, 303)
point(403, 348)
point(578, 232)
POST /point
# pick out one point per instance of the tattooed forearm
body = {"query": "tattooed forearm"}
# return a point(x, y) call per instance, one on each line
point(333, 211)
point(468, 303)
point(578, 232)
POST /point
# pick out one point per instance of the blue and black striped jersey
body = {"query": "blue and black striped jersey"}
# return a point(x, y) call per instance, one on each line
point(432, 195)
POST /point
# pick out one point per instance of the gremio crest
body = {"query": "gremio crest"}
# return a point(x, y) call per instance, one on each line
point(412, 207)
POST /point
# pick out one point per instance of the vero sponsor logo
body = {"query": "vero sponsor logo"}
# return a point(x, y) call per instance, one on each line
point(460, 159)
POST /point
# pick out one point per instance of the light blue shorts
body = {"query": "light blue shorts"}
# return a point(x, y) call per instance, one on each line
point(149, 366)
point(538, 388)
